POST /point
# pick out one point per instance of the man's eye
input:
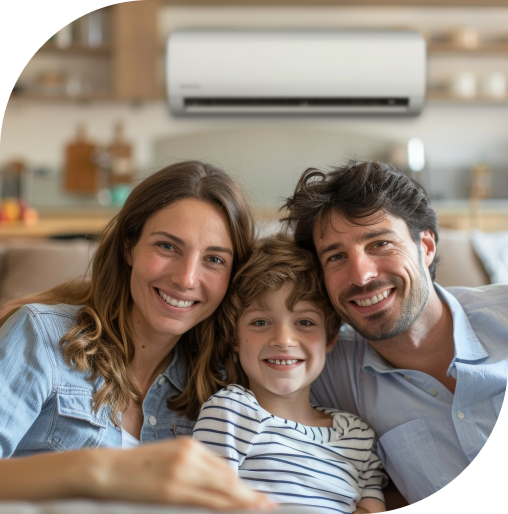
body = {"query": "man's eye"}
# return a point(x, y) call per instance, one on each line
point(381, 244)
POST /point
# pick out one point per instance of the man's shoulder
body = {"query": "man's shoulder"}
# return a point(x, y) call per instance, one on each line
point(474, 298)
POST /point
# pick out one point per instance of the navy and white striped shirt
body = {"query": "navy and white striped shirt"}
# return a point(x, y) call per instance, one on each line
point(330, 469)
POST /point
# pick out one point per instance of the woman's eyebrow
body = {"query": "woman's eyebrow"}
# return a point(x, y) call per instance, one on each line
point(219, 249)
point(169, 236)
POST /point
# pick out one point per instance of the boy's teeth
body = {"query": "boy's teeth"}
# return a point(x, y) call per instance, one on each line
point(173, 302)
point(282, 362)
point(375, 299)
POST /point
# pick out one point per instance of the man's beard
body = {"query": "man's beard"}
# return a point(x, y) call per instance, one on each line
point(380, 325)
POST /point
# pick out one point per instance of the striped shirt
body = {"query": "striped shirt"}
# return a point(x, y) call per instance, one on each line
point(328, 468)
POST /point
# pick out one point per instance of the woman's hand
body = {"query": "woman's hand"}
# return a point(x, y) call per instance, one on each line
point(178, 472)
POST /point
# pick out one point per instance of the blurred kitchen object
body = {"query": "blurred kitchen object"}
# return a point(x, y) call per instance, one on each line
point(121, 157)
point(464, 85)
point(481, 180)
point(11, 179)
point(51, 83)
point(13, 206)
point(415, 154)
point(494, 85)
point(465, 37)
point(63, 37)
point(91, 29)
point(81, 174)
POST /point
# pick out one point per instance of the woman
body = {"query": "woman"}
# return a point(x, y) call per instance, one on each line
point(93, 363)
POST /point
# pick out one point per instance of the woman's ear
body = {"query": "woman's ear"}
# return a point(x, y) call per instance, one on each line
point(331, 344)
point(128, 255)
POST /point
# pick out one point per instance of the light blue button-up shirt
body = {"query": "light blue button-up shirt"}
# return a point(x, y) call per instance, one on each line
point(47, 406)
point(426, 435)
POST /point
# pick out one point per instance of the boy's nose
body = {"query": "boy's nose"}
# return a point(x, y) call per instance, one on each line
point(284, 337)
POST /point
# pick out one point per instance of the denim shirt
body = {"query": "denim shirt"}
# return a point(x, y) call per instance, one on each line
point(47, 406)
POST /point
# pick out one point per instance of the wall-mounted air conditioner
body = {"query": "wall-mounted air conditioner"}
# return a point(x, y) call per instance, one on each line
point(296, 72)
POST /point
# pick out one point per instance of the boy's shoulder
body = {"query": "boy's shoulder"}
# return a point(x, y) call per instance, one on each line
point(236, 397)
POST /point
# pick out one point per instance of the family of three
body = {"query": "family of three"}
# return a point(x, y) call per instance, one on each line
point(306, 368)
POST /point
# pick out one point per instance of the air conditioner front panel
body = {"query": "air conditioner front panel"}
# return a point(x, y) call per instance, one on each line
point(269, 64)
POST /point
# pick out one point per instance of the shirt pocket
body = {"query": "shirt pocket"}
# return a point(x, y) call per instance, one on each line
point(182, 427)
point(410, 457)
point(75, 425)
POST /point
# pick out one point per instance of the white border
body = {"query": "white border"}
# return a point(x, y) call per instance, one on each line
point(24, 26)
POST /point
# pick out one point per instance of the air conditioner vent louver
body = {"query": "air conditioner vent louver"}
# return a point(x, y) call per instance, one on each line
point(293, 102)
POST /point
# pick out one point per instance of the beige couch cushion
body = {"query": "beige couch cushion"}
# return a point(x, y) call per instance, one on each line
point(32, 266)
point(459, 265)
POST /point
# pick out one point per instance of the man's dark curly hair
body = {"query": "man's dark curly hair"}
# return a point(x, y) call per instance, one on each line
point(359, 190)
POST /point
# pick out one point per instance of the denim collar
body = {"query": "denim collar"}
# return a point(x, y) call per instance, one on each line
point(176, 371)
point(467, 346)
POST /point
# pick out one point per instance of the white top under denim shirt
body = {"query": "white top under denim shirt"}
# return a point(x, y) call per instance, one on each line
point(47, 406)
point(427, 435)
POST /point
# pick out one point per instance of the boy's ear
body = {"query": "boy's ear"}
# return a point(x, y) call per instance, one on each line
point(331, 344)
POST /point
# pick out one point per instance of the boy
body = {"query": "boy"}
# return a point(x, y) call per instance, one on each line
point(280, 325)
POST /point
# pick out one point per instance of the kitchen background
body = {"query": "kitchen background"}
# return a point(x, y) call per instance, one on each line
point(100, 81)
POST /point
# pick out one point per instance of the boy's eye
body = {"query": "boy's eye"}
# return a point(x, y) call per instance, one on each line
point(260, 323)
point(306, 322)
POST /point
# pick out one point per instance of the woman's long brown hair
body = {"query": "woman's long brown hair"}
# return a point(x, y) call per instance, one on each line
point(101, 342)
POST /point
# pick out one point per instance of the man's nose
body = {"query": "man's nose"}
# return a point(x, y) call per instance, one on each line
point(186, 272)
point(361, 269)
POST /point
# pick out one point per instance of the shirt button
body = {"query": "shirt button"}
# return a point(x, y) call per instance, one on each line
point(407, 378)
point(152, 421)
point(460, 415)
point(162, 380)
point(433, 392)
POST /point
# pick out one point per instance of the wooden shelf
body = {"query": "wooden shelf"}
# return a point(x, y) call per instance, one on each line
point(41, 97)
point(484, 49)
point(76, 49)
point(444, 97)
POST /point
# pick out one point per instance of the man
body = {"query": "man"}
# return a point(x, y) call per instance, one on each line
point(424, 366)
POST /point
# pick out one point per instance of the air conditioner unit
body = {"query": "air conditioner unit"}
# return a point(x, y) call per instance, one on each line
point(296, 72)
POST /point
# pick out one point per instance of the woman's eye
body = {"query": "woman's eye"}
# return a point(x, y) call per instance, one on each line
point(337, 257)
point(215, 260)
point(166, 246)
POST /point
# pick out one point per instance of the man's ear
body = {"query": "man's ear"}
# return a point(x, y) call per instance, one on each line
point(428, 244)
point(331, 344)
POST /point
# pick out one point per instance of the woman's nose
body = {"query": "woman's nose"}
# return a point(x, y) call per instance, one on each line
point(186, 273)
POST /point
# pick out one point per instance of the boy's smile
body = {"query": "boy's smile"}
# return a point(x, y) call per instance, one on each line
point(282, 351)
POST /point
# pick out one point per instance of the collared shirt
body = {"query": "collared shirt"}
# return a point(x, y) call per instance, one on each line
point(426, 435)
point(47, 406)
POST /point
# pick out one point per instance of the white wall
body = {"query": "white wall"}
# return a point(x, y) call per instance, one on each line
point(455, 135)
